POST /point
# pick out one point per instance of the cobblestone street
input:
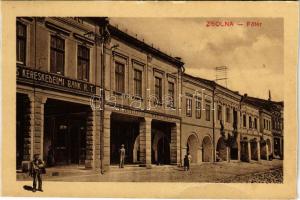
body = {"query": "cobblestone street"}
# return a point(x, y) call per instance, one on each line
point(240, 172)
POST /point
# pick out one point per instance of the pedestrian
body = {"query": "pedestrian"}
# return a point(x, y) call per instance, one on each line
point(186, 162)
point(37, 167)
point(122, 156)
point(190, 160)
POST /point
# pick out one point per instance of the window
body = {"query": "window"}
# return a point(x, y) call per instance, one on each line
point(250, 122)
point(83, 63)
point(158, 89)
point(207, 112)
point(255, 123)
point(264, 124)
point(57, 55)
point(228, 115)
point(189, 107)
point(219, 112)
point(138, 83)
point(21, 43)
point(244, 121)
point(120, 77)
point(198, 109)
point(171, 94)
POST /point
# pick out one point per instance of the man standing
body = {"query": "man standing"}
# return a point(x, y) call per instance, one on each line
point(37, 167)
point(190, 160)
point(122, 156)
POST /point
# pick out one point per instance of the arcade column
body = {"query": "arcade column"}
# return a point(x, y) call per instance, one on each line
point(105, 156)
point(175, 144)
point(258, 150)
point(249, 150)
point(145, 142)
point(93, 140)
point(37, 103)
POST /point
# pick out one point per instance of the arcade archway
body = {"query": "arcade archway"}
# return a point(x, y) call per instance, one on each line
point(221, 149)
point(207, 149)
point(193, 148)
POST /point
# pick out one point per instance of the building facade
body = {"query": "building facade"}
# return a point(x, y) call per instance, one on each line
point(84, 88)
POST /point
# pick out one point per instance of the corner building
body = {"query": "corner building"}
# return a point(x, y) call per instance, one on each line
point(84, 88)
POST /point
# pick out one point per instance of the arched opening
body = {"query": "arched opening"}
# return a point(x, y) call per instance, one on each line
point(221, 149)
point(161, 141)
point(163, 151)
point(269, 148)
point(234, 150)
point(136, 150)
point(244, 150)
point(193, 148)
point(206, 149)
point(253, 145)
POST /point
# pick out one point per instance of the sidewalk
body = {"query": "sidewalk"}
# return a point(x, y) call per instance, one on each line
point(205, 172)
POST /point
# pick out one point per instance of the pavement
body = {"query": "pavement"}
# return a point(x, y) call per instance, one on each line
point(263, 171)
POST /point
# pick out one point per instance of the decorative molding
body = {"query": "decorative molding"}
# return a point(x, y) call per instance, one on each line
point(57, 28)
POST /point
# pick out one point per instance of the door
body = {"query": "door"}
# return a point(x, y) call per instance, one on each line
point(61, 142)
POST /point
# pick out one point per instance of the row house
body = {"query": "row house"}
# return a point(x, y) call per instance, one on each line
point(197, 119)
point(85, 87)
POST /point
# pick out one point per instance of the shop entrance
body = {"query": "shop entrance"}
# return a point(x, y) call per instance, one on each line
point(124, 130)
point(161, 139)
point(65, 132)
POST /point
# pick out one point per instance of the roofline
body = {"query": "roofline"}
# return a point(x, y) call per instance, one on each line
point(141, 44)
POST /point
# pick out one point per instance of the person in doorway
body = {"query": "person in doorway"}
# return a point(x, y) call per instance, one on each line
point(186, 163)
point(50, 157)
point(37, 167)
point(189, 159)
point(122, 156)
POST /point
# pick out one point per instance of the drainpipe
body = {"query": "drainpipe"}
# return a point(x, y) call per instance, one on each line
point(214, 145)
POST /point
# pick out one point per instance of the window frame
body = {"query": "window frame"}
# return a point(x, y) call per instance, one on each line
point(158, 94)
point(56, 50)
point(86, 59)
point(207, 112)
point(119, 77)
point(189, 107)
point(171, 94)
point(228, 115)
point(137, 80)
point(198, 109)
point(22, 38)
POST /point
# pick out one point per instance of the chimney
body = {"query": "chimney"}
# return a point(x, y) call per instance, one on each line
point(270, 95)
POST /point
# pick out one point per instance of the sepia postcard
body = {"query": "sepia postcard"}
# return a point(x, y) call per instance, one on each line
point(149, 99)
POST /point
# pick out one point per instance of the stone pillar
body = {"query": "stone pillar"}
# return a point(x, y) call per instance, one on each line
point(93, 140)
point(228, 154)
point(145, 142)
point(267, 150)
point(28, 133)
point(258, 150)
point(38, 123)
point(105, 156)
point(239, 147)
point(249, 151)
point(175, 144)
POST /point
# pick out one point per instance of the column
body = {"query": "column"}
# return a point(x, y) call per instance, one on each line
point(239, 147)
point(228, 154)
point(93, 140)
point(105, 137)
point(38, 130)
point(175, 144)
point(267, 150)
point(258, 150)
point(28, 133)
point(145, 142)
point(249, 151)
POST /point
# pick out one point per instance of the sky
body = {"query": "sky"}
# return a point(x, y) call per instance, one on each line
point(253, 55)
